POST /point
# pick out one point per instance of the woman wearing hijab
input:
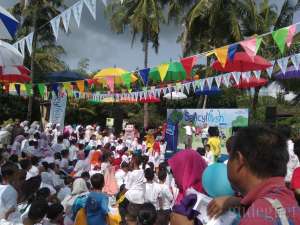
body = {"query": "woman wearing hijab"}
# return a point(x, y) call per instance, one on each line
point(16, 147)
point(74, 202)
point(82, 165)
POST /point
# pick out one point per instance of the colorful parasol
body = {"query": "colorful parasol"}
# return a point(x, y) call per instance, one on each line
point(115, 73)
point(175, 95)
point(208, 91)
point(175, 72)
point(242, 62)
point(63, 76)
point(150, 99)
point(251, 83)
point(291, 73)
point(14, 74)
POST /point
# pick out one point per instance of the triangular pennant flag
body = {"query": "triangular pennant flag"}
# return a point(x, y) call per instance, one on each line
point(270, 69)
point(55, 25)
point(187, 87)
point(226, 78)
point(16, 45)
point(163, 69)
point(258, 42)
point(194, 85)
point(188, 64)
point(144, 73)
point(77, 11)
point(22, 46)
point(42, 89)
point(18, 89)
point(218, 80)
point(249, 46)
point(257, 73)
point(91, 5)
point(29, 39)
point(232, 50)
point(66, 17)
point(282, 63)
point(201, 83)
point(28, 89)
point(80, 85)
point(291, 33)
point(164, 91)
point(202, 60)
point(126, 77)
point(280, 37)
point(221, 54)
point(110, 83)
point(236, 76)
point(209, 82)
point(296, 60)
point(54, 88)
point(68, 87)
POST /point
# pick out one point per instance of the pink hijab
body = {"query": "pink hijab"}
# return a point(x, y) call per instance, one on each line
point(187, 167)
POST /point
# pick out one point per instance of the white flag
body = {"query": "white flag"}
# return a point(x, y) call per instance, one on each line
point(66, 17)
point(187, 87)
point(91, 5)
point(16, 45)
point(29, 39)
point(201, 84)
point(226, 78)
point(246, 75)
point(77, 11)
point(296, 60)
point(194, 85)
point(22, 46)
point(236, 76)
point(164, 90)
point(209, 81)
point(55, 26)
point(257, 73)
point(282, 63)
point(270, 69)
point(218, 80)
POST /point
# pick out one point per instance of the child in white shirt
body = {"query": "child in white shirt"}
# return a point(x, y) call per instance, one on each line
point(152, 189)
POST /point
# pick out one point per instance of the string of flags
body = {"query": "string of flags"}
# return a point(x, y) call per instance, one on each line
point(85, 89)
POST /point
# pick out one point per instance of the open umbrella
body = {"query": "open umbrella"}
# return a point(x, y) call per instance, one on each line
point(242, 62)
point(175, 95)
point(175, 72)
point(115, 73)
point(150, 99)
point(252, 82)
point(208, 91)
point(63, 76)
point(8, 24)
point(12, 74)
point(291, 73)
point(9, 55)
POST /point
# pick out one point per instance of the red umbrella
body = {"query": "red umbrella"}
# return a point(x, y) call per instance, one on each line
point(242, 63)
point(19, 74)
point(252, 82)
point(128, 101)
point(150, 99)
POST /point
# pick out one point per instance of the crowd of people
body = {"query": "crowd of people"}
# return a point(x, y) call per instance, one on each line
point(88, 175)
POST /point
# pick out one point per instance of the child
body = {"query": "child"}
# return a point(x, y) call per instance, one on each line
point(209, 156)
point(66, 190)
point(111, 186)
point(214, 142)
point(97, 202)
point(121, 174)
point(55, 215)
point(152, 190)
point(64, 163)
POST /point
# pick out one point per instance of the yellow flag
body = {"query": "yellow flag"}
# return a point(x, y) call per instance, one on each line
point(221, 54)
point(209, 53)
point(68, 87)
point(80, 85)
point(23, 88)
point(12, 86)
point(163, 69)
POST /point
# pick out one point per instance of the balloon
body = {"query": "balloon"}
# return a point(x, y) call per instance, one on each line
point(215, 181)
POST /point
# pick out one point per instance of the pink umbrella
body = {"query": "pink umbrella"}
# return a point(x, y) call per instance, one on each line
point(252, 82)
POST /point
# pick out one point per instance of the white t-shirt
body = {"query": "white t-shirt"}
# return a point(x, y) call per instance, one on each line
point(166, 197)
point(63, 192)
point(152, 194)
point(204, 133)
point(66, 142)
point(135, 186)
point(121, 177)
point(64, 163)
point(293, 162)
point(189, 130)
point(73, 152)
point(8, 199)
point(58, 147)
point(81, 166)
point(33, 172)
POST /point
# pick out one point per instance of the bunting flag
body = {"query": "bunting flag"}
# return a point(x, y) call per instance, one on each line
point(187, 87)
point(188, 64)
point(42, 89)
point(66, 17)
point(18, 89)
point(144, 73)
point(282, 63)
point(296, 60)
point(280, 37)
point(221, 54)
point(194, 85)
point(80, 85)
point(270, 69)
point(163, 70)
point(68, 88)
point(16, 45)
point(291, 33)
point(257, 73)
point(226, 78)
point(246, 75)
point(55, 22)
point(54, 88)
point(29, 39)
point(209, 81)
point(126, 77)
point(28, 88)
point(218, 80)
point(110, 83)
point(202, 60)
point(236, 76)
point(232, 50)
point(251, 46)
point(22, 46)
point(77, 11)
point(91, 5)
point(164, 91)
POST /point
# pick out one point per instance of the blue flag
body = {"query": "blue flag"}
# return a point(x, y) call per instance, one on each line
point(144, 73)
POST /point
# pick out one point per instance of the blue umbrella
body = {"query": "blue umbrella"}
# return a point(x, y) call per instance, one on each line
point(291, 73)
point(64, 76)
point(206, 91)
point(8, 24)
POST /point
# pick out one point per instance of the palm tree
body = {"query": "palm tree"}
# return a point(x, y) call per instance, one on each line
point(45, 55)
point(141, 17)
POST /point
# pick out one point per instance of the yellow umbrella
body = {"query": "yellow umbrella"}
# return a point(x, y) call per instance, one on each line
point(108, 100)
point(115, 73)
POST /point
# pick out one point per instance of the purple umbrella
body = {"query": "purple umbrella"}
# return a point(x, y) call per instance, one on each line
point(291, 73)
